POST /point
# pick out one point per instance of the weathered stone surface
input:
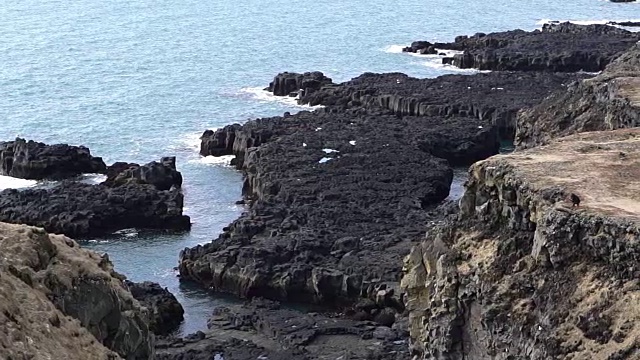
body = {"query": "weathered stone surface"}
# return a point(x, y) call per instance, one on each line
point(523, 274)
point(83, 210)
point(269, 330)
point(294, 84)
point(608, 101)
point(34, 160)
point(493, 97)
point(163, 175)
point(165, 312)
point(558, 47)
point(55, 273)
point(337, 199)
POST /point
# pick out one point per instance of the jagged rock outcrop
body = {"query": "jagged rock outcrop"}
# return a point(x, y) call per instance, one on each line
point(163, 175)
point(558, 47)
point(494, 97)
point(61, 301)
point(608, 101)
point(294, 84)
point(165, 312)
point(521, 273)
point(37, 161)
point(284, 333)
point(84, 210)
point(336, 198)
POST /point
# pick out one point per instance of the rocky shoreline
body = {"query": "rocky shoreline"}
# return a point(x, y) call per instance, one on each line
point(557, 47)
point(338, 202)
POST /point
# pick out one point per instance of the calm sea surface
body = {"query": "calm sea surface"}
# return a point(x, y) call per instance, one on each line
point(136, 80)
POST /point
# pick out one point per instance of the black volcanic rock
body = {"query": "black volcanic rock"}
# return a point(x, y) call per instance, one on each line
point(288, 84)
point(559, 47)
point(166, 313)
point(37, 161)
point(82, 210)
point(163, 175)
point(494, 97)
point(337, 199)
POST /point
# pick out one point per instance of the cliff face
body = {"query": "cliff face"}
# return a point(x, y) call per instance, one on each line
point(608, 101)
point(521, 273)
point(52, 288)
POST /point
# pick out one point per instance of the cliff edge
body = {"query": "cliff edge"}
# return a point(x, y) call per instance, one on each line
point(59, 301)
point(608, 101)
point(521, 272)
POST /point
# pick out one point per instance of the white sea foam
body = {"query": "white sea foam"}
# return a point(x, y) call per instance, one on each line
point(262, 95)
point(8, 182)
point(324, 160)
point(352, 142)
point(188, 142)
point(214, 160)
point(329, 151)
point(92, 179)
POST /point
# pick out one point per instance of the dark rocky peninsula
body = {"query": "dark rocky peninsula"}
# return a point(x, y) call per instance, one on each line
point(139, 196)
point(558, 47)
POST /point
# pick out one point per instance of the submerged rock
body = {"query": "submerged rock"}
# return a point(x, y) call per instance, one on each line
point(521, 273)
point(33, 160)
point(60, 301)
point(166, 313)
point(558, 47)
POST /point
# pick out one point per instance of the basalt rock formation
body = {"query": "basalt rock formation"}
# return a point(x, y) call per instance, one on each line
point(163, 175)
point(521, 273)
point(285, 334)
point(84, 210)
point(59, 301)
point(290, 84)
point(165, 312)
point(608, 101)
point(336, 200)
point(557, 47)
point(37, 161)
point(494, 97)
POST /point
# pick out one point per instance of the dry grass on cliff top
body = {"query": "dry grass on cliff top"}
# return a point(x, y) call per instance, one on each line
point(602, 168)
point(31, 327)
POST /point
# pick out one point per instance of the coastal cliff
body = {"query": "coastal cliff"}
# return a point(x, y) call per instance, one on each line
point(608, 101)
point(521, 272)
point(59, 301)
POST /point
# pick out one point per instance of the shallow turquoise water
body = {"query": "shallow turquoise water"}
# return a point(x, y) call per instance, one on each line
point(139, 79)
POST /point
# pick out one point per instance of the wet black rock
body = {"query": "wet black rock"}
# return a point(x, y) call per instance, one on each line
point(163, 175)
point(560, 47)
point(83, 210)
point(165, 311)
point(37, 161)
point(289, 84)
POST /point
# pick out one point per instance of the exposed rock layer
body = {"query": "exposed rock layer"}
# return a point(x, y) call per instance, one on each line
point(608, 101)
point(59, 281)
point(560, 47)
point(338, 197)
point(165, 312)
point(523, 274)
point(83, 210)
point(290, 84)
point(163, 175)
point(37, 161)
point(493, 97)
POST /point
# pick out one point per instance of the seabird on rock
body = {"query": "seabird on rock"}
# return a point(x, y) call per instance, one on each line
point(575, 200)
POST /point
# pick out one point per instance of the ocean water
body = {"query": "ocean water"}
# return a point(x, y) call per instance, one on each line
point(136, 80)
